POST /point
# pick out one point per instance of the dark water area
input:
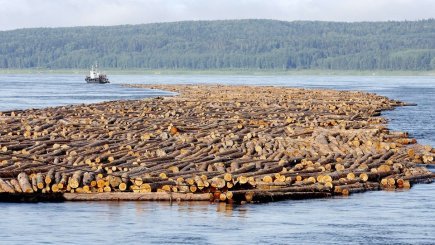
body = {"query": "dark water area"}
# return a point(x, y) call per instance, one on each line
point(400, 217)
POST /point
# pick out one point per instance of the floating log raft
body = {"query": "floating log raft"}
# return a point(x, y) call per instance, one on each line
point(210, 142)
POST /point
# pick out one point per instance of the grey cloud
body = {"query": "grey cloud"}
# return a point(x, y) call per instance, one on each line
point(53, 13)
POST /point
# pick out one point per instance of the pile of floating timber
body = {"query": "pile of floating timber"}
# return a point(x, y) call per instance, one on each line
point(211, 142)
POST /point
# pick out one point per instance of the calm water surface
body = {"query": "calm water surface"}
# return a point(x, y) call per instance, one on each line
point(367, 218)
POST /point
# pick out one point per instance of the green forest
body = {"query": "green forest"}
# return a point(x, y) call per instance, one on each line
point(231, 44)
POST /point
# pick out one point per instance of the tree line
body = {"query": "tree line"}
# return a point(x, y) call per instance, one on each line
point(230, 44)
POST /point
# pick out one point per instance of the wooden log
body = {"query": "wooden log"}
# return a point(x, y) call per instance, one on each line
point(265, 196)
point(420, 178)
point(125, 178)
point(88, 177)
point(33, 182)
point(244, 169)
point(49, 178)
point(16, 185)
point(40, 181)
point(123, 196)
point(75, 180)
point(23, 179)
point(63, 182)
point(115, 181)
point(6, 187)
point(57, 178)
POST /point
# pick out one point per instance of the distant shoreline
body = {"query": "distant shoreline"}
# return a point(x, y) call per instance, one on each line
point(253, 72)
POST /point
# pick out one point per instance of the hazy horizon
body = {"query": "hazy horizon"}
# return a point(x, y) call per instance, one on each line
point(162, 22)
point(69, 13)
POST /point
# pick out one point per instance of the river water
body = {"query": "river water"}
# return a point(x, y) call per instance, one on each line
point(401, 217)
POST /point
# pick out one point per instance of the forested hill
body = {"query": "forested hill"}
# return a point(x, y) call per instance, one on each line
point(232, 44)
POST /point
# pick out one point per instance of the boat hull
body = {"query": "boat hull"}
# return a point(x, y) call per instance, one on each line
point(101, 80)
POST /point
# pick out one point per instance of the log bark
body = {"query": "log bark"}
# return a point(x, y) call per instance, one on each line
point(5, 187)
point(23, 179)
point(265, 196)
point(122, 196)
point(16, 185)
point(75, 180)
point(49, 178)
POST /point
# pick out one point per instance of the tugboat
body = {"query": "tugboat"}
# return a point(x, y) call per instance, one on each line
point(96, 77)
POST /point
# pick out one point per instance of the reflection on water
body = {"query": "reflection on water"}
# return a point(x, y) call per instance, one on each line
point(374, 217)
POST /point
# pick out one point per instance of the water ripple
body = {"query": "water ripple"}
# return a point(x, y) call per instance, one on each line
point(405, 217)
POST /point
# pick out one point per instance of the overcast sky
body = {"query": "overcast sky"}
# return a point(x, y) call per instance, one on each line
point(53, 13)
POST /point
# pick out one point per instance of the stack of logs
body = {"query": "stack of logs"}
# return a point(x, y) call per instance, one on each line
point(235, 143)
